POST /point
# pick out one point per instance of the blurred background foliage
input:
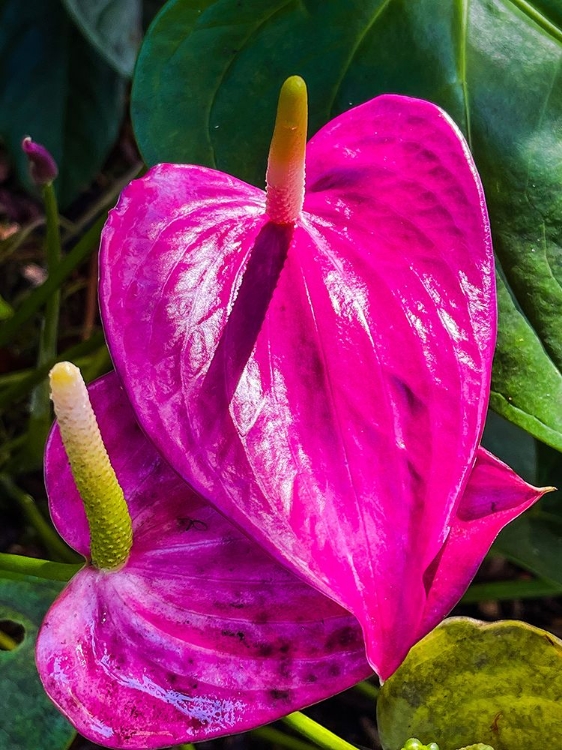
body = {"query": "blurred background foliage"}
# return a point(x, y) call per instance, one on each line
point(202, 78)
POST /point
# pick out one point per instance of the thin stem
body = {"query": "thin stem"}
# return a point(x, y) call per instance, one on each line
point(40, 411)
point(74, 258)
point(91, 299)
point(107, 200)
point(92, 365)
point(316, 732)
point(367, 689)
point(7, 643)
point(39, 296)
point(32, 566)
point(274, 736)
point(54, 256)
point(11, 244)
point(19, 389)
point(506, 590)
point(54, 544)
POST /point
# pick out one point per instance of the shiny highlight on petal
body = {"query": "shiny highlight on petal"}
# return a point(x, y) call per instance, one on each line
point(104, 503)
point(286, 163)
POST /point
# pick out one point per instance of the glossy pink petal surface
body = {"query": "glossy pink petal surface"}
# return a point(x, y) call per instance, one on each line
point(200, 633)
point(326, 387)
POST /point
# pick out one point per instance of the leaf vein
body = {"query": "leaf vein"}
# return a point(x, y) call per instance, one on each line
point(345, 68)
point(231, 62)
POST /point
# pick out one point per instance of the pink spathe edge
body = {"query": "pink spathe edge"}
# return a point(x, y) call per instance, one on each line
point(200, 633)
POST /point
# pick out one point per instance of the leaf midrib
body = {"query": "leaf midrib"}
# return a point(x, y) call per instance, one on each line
point(358, 42)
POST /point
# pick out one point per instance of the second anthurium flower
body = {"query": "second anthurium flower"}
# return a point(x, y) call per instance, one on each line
point(178, 628)
point(317, 362)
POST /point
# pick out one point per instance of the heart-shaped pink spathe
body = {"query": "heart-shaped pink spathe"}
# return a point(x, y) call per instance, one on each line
point(200, 633)
point(325, 384)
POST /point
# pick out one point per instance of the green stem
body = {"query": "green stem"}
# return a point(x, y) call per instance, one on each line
point(32, 566)
point(40, 411)
point(92, 366)
point(506, 590)
point(367, 689)
point(39, 296)
point(316, 732)
point(23, 386)
point(6, 642)
point(11, 244)
point(54, 544)
point(275, 737)
point(54, 256)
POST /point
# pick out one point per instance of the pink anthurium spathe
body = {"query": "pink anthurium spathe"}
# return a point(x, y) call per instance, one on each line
point(321, 369)
point(199, 632)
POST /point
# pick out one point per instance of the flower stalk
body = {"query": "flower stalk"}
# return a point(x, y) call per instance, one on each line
point(20, 566)
point(318, 734)
point(43, 170)
point(53, 543)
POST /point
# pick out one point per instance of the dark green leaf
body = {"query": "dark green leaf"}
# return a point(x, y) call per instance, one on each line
point(534, 541)
point(469, 682)
point(56, 88)
point(526, 385)
point(205, 91)
point(512, 445)
point(28, 720)
point(113, 27)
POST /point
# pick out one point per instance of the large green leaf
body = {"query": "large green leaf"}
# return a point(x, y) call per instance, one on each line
point(113, 27)
point(512, 445)
point(534, 540)
point(526, 384)
point(205, 91)
point(56, 88)
point(469, 682)
point(28, 720)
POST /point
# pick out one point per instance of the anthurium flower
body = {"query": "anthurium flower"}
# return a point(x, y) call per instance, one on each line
point(193, 631)
point(318, 361)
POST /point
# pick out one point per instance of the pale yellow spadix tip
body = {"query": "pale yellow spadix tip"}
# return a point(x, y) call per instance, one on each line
point(286, 163)
point(108, 517)
point(64, 374)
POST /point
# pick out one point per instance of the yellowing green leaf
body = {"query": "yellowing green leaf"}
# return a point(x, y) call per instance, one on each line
point(469, 682)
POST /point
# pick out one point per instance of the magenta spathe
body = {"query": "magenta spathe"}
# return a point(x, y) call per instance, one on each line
point(200, 633)
point(325, 384)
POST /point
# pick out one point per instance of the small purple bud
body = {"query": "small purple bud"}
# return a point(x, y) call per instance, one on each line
point(42, 167)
